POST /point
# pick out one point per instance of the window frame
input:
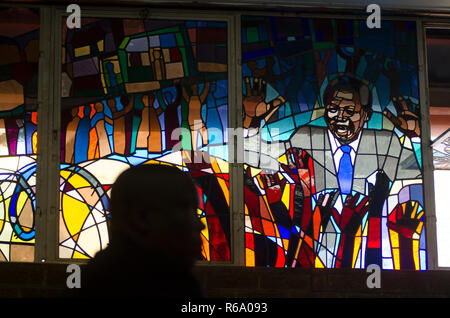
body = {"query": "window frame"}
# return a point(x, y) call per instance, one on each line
point(49, 115)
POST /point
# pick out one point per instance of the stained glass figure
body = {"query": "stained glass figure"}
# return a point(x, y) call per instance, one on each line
point(138, 92)
point(19, 57)
point(333, 170)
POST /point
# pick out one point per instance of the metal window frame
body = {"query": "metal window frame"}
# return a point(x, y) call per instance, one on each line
point(49, 111)
point(427, 151)
point(236, 224)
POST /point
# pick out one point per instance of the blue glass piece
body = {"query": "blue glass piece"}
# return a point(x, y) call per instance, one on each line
point(180, 118)
point(221, 90)
point(422, 244)
point(282, 125)
point(142, 153)
point(309, 93)
point(345, 171)
point(341, 64)
point(302, 118)
point(281, 112)
point(263, 33)
point(332, 63)
point(119, 158)
point(218, 151)
point(256, 54)
point(319, 122)
point(423, 260)
point(416, 193)
point(376, 121)
point(361, 67)
point(138, 45)
point(271, 93)
point(161, 121)
point(284, 233)
point(135, 161)
point(168, 40)
point(418, 152)
point(287, 109)
point(223, 115)
point(119, 105)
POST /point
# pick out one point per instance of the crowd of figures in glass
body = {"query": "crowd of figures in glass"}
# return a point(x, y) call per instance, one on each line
point(333, 169)
point(19, 57)
point(138, 92)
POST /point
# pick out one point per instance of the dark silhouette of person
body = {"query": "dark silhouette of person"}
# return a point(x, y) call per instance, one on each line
point(154, 240)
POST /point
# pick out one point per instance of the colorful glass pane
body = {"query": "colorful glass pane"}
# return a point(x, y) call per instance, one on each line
point(333, 169)
point(138, 92)
point(19, 57)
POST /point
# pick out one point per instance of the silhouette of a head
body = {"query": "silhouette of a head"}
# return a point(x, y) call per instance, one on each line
point(154, 207)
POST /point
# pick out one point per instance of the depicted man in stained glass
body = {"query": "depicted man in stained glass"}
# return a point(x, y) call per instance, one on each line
point(348, 172)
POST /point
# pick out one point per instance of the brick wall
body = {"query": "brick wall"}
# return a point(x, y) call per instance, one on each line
point(49, 280)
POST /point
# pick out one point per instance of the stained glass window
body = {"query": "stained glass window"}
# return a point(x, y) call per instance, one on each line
point(19, 57)
point(333, 168)
point(138, 92)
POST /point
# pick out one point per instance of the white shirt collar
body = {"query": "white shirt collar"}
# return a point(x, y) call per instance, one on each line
point(335, 144)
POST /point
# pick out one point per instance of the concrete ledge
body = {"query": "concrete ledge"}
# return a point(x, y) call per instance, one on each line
point(22, 280)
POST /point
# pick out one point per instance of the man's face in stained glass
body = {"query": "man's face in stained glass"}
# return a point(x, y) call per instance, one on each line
point(345, 116)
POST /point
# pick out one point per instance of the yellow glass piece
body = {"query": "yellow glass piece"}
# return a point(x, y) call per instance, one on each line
point(419, 228)
point(286, 197)
point(65, 174)
point(254, 171)
point(7, 203)
point(285, 244)
point(78, 255)
point(394, 239)
point(2, 223)
point(205, 231)
point(34, 142)
point(100, 45)
point(396, 257)
point(75, 213)
point(318, 263)
point(283, 159)
point(82, 51)
point(223, 166)
point(356, 246)
point(78, 181)
point(249, 257)
point(415, 244)
point(21, 200)
point(205, 248)
point(416, 206)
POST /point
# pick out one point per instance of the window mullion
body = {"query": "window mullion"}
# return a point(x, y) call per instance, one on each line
point(427, 152)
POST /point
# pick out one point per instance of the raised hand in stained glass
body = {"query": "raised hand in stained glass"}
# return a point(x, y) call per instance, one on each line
point(406, 120)
point(255, 107)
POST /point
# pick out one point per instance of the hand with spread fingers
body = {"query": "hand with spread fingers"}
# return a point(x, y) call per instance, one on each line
point(255, 107)
point(406, 120)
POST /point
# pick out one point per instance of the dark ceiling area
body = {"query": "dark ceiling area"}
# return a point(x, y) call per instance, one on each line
point(438, 65)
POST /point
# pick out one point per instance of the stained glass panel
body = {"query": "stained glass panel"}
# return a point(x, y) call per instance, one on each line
point(333, 168)
point(138, 92)
point(19, 57)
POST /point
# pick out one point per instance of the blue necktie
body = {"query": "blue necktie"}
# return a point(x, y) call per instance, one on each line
point(345, 172)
